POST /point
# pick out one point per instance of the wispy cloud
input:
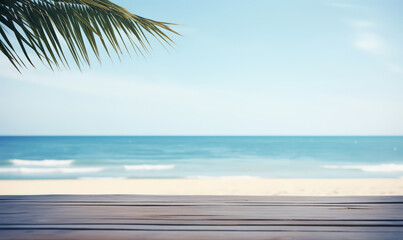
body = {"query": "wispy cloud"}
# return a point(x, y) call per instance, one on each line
point(344, 5)
point(367, 38)
point(362, 24)
point(371, 43)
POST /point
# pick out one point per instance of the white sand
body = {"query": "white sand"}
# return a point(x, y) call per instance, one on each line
point(282, 187)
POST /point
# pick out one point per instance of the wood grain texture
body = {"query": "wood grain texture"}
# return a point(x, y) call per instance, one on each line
point(199, 217)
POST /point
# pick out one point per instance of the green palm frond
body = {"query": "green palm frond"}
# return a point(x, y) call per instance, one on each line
point(44, 26)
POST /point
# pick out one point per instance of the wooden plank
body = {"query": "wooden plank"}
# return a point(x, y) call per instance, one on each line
point(199, 217)
point(172, 235)
point(201, 198)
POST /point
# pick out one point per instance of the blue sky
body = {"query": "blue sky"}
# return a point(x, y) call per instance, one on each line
point(241, 68)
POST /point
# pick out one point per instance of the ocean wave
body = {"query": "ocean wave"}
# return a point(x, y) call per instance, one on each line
point(149, 167)
point(44, 163)
point(389, 167)
point(49, 170)
point(223, 177)
point(101, 178)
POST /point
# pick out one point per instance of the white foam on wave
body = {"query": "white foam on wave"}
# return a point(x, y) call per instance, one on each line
point(223, 177)
point(101, 178)
point(387, 167)
point(49, 170)
point(149, 167)
point(43, 163)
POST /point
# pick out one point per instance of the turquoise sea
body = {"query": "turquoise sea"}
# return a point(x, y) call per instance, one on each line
point(200, 157)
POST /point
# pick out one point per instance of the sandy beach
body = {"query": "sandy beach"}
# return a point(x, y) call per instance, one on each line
point(253, 187)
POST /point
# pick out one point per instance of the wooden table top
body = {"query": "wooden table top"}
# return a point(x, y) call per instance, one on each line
point(98, 217)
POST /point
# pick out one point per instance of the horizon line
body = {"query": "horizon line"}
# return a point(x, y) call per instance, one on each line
point(201, 135)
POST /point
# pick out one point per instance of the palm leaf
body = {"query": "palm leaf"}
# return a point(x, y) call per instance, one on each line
point(83, 25)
